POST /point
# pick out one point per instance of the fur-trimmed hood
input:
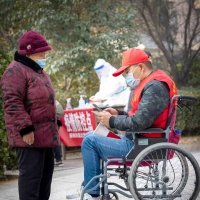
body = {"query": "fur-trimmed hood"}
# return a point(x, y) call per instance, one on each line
point(27, 61)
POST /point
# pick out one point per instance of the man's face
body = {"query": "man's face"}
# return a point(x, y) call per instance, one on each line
point(135, 69)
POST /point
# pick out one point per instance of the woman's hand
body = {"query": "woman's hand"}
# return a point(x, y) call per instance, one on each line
point(29, 138)
point(112, 111)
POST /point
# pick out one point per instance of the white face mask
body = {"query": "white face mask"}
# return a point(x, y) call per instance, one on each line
point(131, 81)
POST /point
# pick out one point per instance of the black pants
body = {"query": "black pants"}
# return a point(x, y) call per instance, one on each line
point(36, 167)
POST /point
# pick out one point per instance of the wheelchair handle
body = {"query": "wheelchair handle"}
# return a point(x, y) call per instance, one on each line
point(184, 97)
point(190, 98)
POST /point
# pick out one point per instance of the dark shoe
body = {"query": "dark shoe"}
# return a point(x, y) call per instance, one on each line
point(59, 163)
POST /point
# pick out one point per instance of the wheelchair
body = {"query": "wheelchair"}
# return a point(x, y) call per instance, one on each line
point(155, 168)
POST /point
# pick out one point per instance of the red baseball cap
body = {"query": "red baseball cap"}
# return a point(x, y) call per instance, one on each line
point(131, 57)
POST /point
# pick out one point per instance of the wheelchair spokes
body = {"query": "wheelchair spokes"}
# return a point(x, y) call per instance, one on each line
point(174, 178)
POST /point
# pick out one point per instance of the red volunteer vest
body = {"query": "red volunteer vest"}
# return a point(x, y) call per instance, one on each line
point(162, 119)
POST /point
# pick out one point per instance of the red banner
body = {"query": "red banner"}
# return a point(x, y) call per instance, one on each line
point(75, 124)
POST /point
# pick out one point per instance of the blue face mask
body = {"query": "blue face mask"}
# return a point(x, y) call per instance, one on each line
point(41, 63)
point(131, 81)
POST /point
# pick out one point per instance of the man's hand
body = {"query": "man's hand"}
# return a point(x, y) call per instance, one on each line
point(112, 111)
point(104, 118)
point(29, 138)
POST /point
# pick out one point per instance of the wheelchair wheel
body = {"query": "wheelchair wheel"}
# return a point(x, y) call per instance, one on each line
point(164, 171)
point(113, 196)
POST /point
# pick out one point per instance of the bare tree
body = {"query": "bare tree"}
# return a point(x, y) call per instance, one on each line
point(175, 28)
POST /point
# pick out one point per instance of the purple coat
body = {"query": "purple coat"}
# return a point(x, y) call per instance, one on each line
point(29, 104)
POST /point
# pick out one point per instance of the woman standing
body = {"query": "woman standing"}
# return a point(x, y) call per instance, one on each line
point(30, 116)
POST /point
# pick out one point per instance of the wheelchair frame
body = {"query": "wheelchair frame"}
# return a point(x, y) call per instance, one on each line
point(139, 154)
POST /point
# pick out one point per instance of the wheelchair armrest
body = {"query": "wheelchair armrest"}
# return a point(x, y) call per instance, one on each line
point(151, 130)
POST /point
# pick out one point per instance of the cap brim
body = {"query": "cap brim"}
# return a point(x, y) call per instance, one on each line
point(43, 49)
point(120, 71)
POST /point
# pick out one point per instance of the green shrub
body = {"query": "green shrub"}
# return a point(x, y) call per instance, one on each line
point(189, 121)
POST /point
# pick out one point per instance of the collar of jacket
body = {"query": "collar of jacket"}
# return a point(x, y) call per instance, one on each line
point(28, 62)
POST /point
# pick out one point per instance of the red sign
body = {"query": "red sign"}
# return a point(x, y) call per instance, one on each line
point(75, 124)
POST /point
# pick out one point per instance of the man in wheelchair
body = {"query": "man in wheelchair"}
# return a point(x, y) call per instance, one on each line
point(152, 92)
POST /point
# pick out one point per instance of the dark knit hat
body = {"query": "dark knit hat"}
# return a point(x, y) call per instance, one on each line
point(32, 42)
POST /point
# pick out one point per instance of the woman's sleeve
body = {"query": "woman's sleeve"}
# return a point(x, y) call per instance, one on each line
point(14, 89)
